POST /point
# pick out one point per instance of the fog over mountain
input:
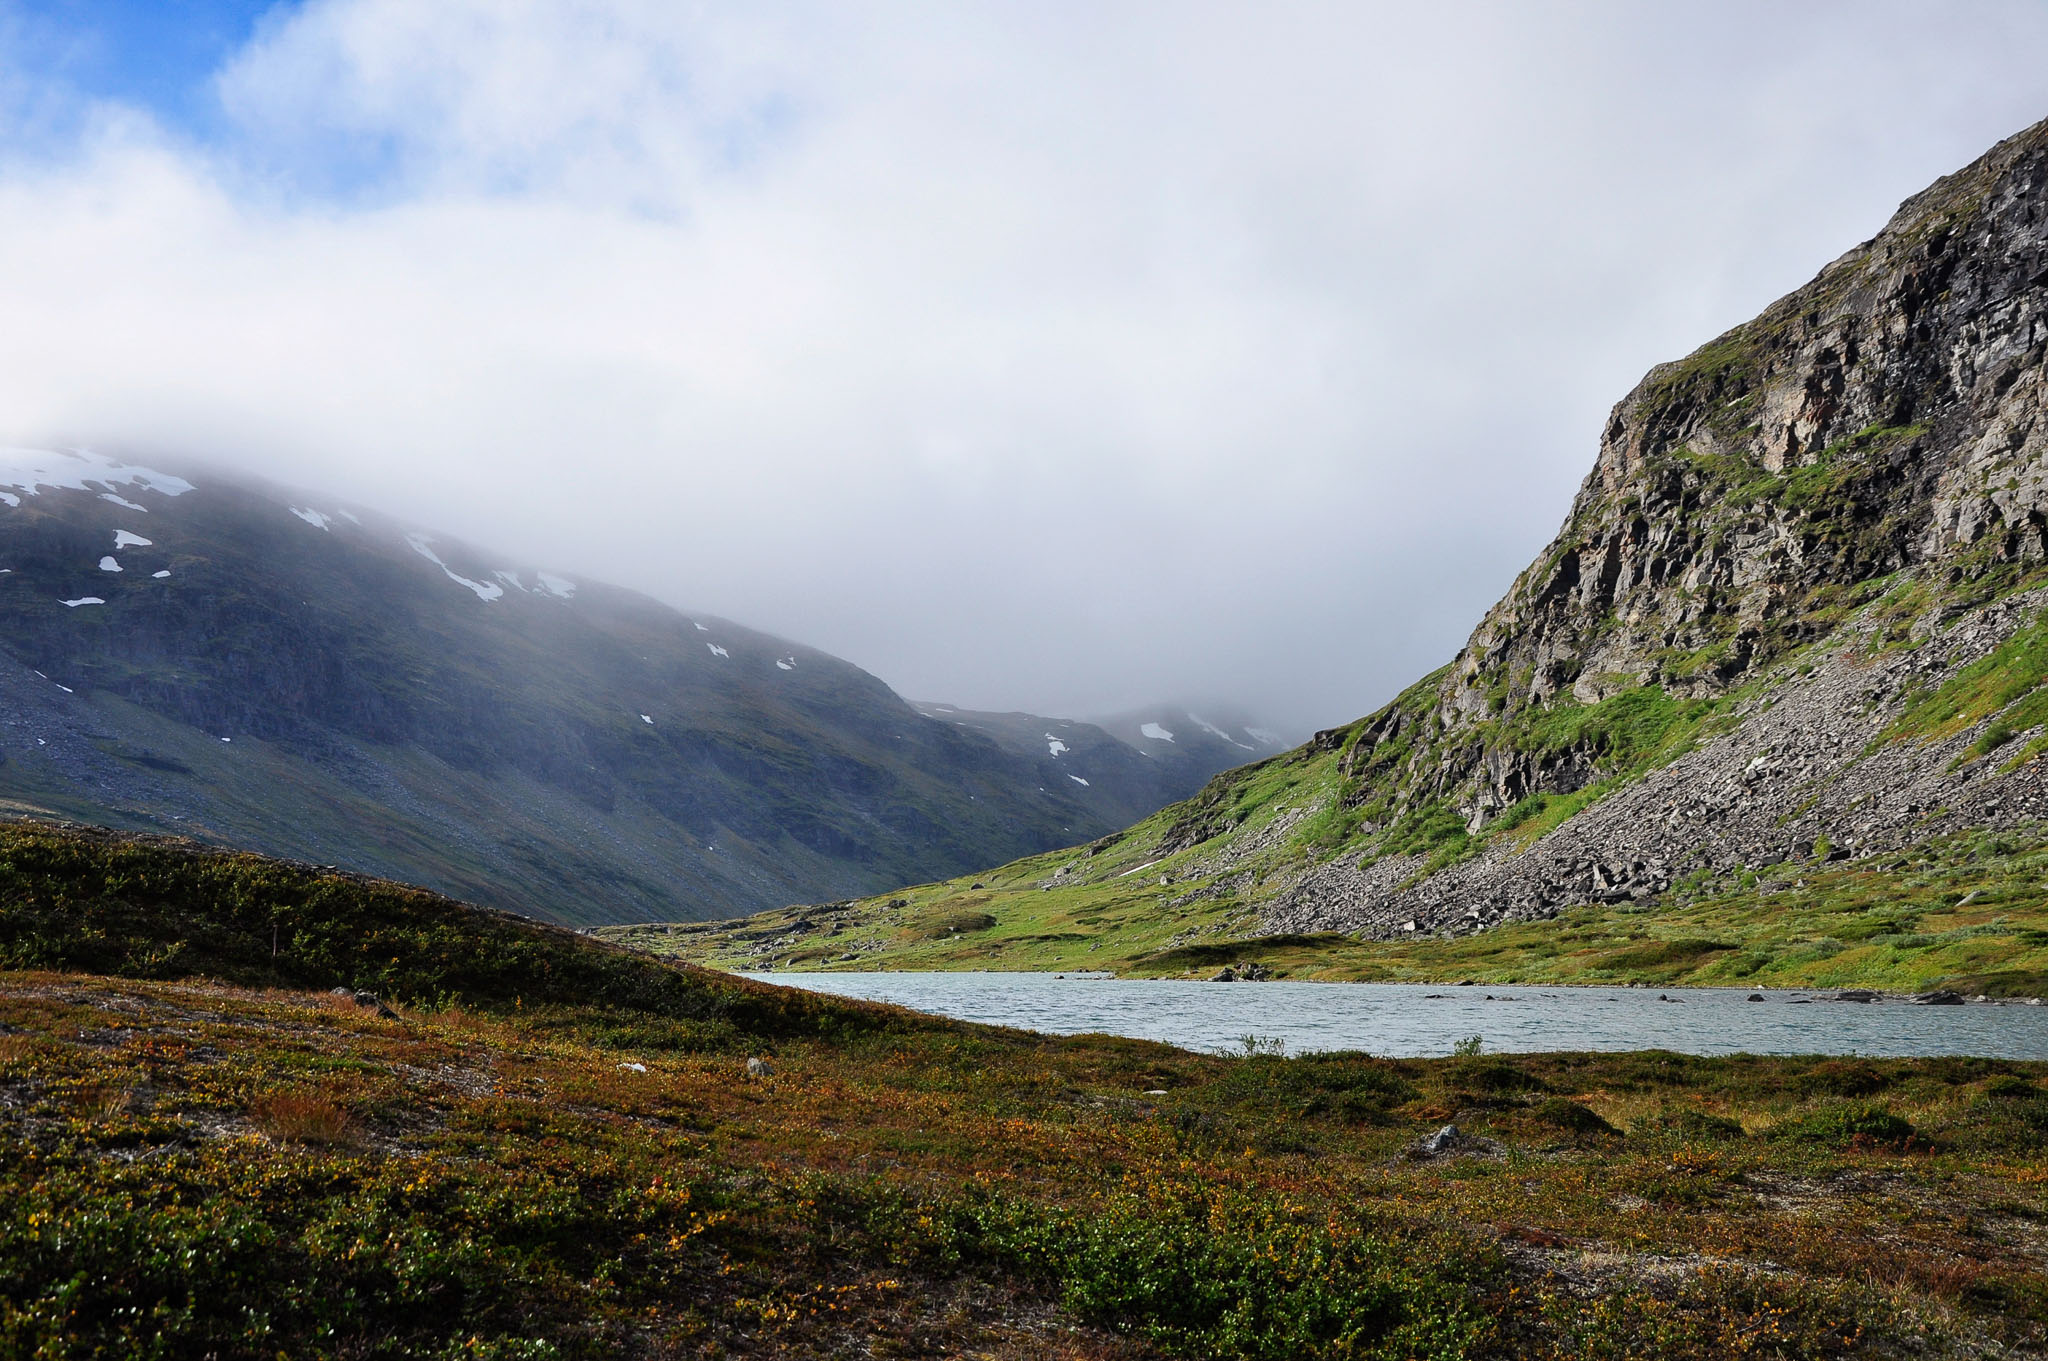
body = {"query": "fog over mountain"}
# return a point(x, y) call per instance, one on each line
point(1037, 358)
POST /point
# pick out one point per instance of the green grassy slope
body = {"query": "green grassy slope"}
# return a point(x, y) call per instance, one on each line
point(1182, 892)
point(1966, 912)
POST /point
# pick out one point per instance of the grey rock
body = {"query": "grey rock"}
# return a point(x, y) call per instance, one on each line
point(1889, 418)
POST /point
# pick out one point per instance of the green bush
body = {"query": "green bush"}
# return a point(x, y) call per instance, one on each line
point(1838, 1126)
point(1208, 1271)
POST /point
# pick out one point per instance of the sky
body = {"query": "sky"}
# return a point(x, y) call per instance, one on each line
point(1058, 356)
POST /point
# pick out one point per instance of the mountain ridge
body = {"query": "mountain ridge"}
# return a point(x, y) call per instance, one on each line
point(221, 657)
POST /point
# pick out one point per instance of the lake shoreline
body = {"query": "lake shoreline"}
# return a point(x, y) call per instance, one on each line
point(1414, 1020)
point(1833, 995)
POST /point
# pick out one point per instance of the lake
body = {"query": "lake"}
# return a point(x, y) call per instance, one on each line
point(1411, 1019)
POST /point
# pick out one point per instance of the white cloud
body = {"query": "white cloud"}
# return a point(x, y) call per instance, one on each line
point(1034, 356)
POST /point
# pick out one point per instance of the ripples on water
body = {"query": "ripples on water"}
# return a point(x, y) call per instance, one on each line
point(1409, 1019)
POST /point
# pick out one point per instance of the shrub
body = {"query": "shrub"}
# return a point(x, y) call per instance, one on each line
point(1493, 1076)
point(1843, 1077)
point(302, 1118)
point(1689, 1123)
point(1840, 1126)
point(1562, 1113)
point(1204, 1270)
point(1662, 954)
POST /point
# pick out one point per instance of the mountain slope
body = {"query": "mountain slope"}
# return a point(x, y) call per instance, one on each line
point(1122, 768)
point(1793, 617)
point(228, 660)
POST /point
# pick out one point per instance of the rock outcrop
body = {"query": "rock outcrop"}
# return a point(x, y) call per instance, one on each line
point(1789, 539)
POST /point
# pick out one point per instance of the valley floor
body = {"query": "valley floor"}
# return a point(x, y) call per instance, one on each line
point(192, 1168)
point(1965, 912)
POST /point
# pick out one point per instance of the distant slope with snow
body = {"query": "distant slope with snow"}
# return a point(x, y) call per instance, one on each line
point(1128, 766)
point(1195, 744)
point(269, 669)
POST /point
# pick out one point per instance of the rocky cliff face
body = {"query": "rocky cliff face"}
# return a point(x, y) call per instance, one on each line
point(1861, 467)
point(1886, 417)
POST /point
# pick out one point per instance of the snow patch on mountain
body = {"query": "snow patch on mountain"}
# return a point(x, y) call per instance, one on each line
point(313, 518)
point(1156, 733)
point(1054, 745)
point(33, 471)
point(83, 600)
point(560, 587)
point(123, 539)
point(486, 591)
point(110, 564)
point(1206, 726)
point(717, 650)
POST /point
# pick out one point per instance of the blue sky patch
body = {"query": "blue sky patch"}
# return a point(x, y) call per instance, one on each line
point(157, 54)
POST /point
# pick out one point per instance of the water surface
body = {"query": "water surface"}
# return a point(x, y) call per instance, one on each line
point(1413, 1019)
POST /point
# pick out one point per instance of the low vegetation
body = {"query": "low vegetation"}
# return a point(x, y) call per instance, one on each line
point(477, 1164)
point(1968, 912)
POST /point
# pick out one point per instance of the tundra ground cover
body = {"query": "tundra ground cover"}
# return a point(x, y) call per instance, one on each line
point(264, 1168)
point(518, 1186)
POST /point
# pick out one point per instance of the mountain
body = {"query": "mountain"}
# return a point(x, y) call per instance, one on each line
point(1789, 641)
point(1121, 768)
point(210, 655)
point(1193, 746)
